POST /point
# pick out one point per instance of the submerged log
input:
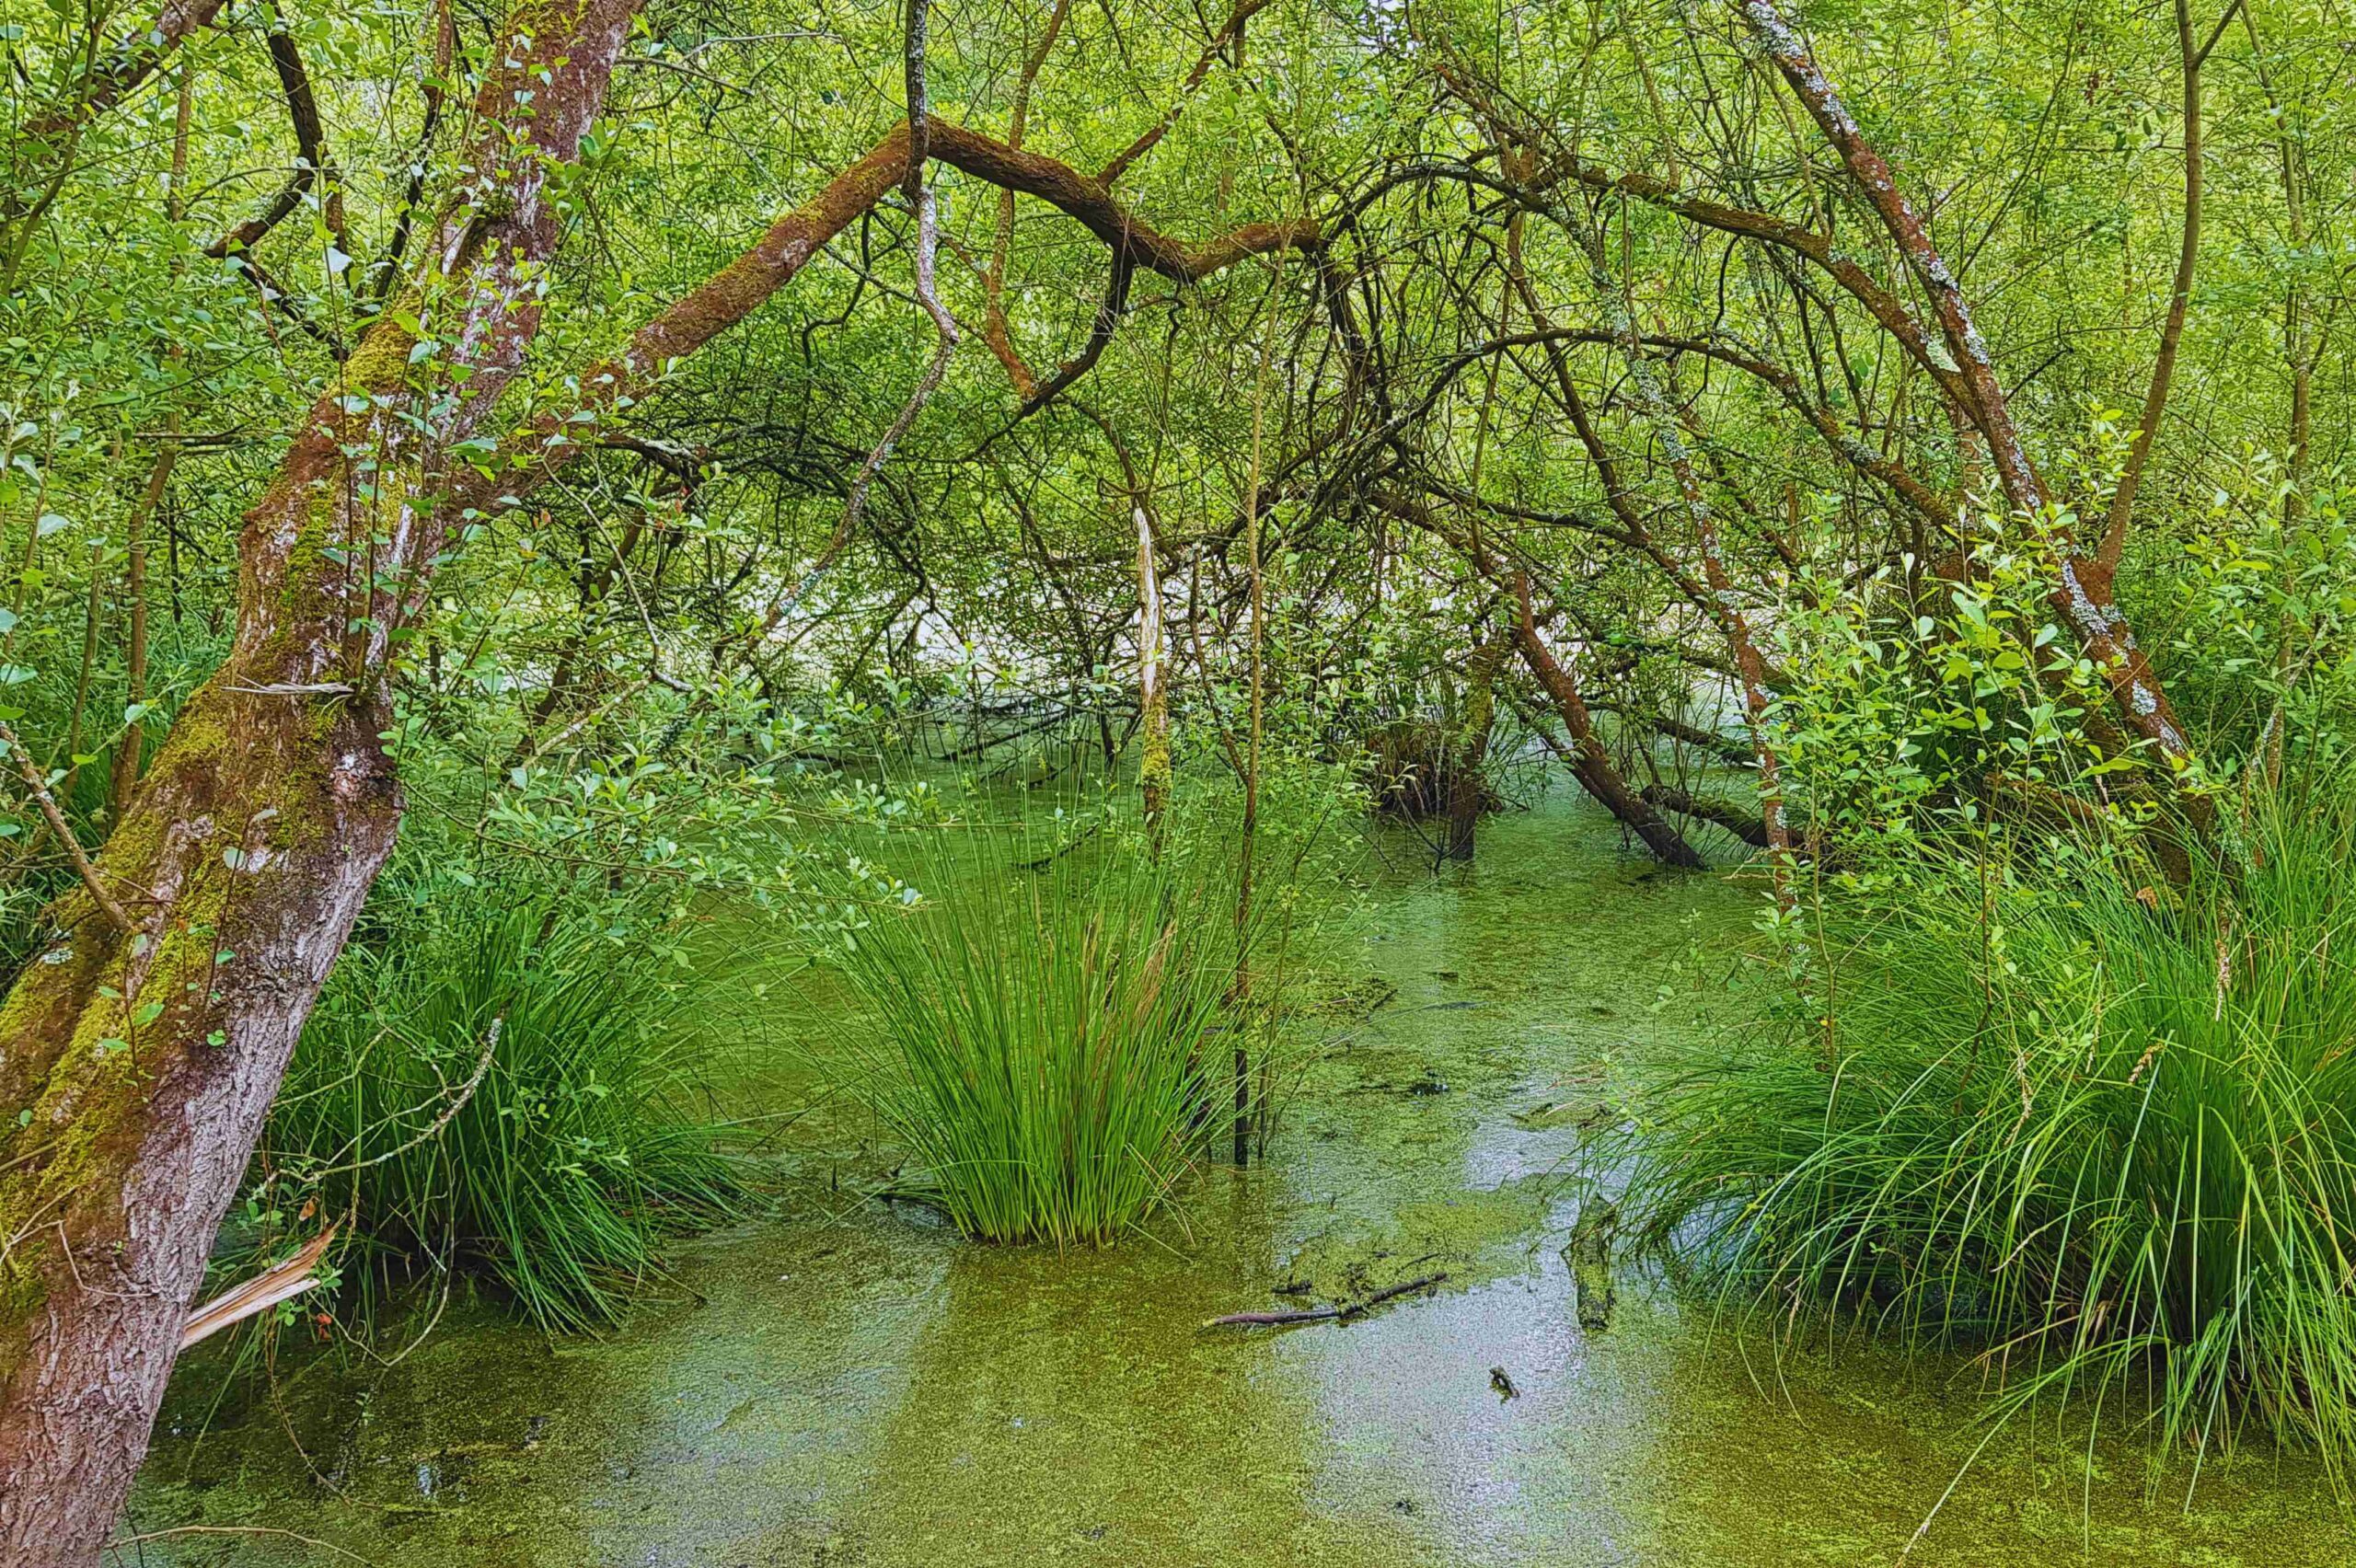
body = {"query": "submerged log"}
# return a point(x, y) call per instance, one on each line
point(1589, 1256)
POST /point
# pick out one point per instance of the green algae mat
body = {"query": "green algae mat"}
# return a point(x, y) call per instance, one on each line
point(844, 1382)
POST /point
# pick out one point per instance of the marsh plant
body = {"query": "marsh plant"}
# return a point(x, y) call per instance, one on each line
point(502, 1081)
point(2094, 1131)
point(1053, 1037)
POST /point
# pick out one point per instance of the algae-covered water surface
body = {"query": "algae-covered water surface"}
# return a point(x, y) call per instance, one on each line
point(843, 1380)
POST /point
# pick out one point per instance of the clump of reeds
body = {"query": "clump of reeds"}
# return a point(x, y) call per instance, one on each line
point(501, 1078)
point(2095, 1132)
point(1050, 1055)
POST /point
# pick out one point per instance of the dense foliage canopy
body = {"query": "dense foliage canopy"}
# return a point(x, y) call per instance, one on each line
point(584, 425)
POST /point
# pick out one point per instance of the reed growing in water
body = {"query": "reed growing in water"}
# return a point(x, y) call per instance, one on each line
point(1047, 1038)
point(502, 1079)
point(2098, 1133)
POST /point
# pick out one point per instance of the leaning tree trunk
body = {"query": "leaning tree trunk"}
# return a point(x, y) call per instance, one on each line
point(145, 1042)
point(1660, 412)
point(2082, 595)
point(1588, 762)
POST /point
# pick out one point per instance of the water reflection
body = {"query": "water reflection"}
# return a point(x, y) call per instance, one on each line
point(847, 1385)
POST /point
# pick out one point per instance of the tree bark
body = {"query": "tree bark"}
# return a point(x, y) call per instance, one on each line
point(146, 1059)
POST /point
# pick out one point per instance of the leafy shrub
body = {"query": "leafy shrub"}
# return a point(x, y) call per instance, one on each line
point(1050, 1058)
point(2098, 1132)
point(553, 1156)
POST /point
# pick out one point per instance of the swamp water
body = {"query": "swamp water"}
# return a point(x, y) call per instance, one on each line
point(843, 1382)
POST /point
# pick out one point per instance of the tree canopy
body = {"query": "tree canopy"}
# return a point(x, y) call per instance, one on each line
point(583, 420)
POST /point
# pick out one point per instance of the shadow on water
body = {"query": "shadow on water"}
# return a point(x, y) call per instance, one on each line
point(848, 1383)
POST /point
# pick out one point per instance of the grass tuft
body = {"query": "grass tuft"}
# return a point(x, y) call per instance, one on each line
point(1052, 1058)
point(576, 1150)
point(2098, 1134)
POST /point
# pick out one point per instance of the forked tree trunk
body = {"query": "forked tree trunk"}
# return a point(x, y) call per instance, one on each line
point(146, 1053)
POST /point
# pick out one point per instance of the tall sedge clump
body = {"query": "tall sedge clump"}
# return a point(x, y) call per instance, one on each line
point(1048, 1041)
point(552, 1155)
point(2101, 1134)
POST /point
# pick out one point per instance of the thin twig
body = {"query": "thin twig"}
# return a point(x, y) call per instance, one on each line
point(122, 1541)
point(57, 824)
point(449, 1112)
point(1324, 1314)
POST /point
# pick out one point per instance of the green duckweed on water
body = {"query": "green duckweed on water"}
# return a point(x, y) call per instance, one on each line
point(847, 1382)
point(1211, 784)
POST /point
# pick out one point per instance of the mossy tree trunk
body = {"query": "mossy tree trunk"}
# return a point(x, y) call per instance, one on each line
point(1467, 744)
point(144, 1050)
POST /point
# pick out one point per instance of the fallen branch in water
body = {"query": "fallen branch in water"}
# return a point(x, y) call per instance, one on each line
point(1043, 861)
point(1323, 1314)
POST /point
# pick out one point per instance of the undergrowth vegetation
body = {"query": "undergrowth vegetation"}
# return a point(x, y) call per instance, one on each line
point(503, 1078)
point(536, 434)
point(2094, 1131)
point(1054, 1047)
